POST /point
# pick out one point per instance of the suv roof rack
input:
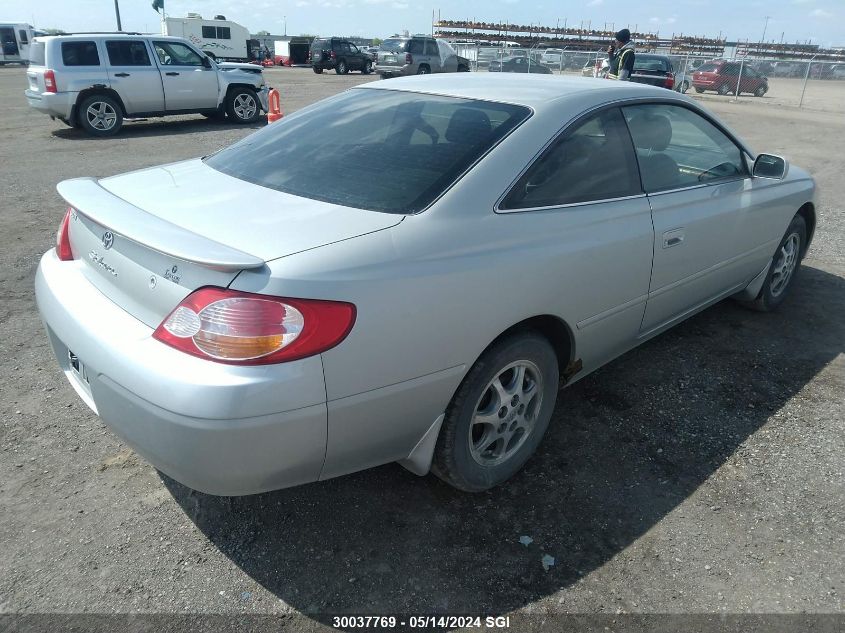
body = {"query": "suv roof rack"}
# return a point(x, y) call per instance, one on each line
point(98, 33)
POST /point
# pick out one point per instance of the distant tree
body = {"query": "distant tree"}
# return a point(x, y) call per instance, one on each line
point(377, 41)
point(263, 33)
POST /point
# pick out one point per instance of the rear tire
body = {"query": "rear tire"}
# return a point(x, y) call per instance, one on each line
point(463, 69)
point(699, 90)
point(684, 87)
point(760, 91)
point(784, 267)
point(423, 70)
point(243, 106)
point(368, 68)
point(499, 414)
point(100, 115)
point(723, 89)
point(341, 68)
point(317, 70)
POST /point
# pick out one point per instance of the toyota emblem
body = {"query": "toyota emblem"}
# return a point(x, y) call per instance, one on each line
point(108, 239)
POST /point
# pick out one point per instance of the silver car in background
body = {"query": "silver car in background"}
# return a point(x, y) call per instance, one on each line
point(246, 323)
point(418, 55)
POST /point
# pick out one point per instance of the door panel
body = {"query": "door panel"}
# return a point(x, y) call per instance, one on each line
point(188, 85)
point(134, 76)
point(702, 199)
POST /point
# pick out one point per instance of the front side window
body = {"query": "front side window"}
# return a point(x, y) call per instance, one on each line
point(127, 53)
point(176, 54)
point(592, 161)
point(80, 54)
point(416, 146)
point(678, 148)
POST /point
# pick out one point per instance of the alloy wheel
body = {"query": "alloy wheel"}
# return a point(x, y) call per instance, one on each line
point(101, 116)
point(786, 260)
point(245, 106)
point(506, 413)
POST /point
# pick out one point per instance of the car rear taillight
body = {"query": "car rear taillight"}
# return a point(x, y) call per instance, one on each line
point(670, 81)
point(63, 249)
point(409, 59)
point(49, 81)
point(242, 328)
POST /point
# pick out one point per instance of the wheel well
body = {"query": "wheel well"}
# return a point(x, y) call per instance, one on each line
point(84, 94)
point(555, 330)
point(808, 212)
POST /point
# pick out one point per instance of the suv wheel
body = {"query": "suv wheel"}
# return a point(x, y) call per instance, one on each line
point(684, 87)
point(100, 115)
point(723, 89)
point(423, 70)
point(699, 90)
point(341, 68)
point(242, 105)
point(368, 67)
point(317, 70)
point(761, 90)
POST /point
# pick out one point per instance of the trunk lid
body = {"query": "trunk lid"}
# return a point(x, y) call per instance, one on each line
point(148, 238)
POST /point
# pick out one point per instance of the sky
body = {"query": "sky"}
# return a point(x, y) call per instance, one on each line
point(821, 21)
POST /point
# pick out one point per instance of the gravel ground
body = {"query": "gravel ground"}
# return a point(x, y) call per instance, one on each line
point(702, 472)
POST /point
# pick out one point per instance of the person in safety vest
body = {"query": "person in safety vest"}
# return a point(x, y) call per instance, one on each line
point(621, 57)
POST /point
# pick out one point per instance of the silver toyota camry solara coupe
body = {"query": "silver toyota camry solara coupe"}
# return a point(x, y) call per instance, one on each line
point(406, 272)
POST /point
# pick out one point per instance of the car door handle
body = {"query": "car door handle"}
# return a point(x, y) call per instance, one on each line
point(121, 74)
point(171, 74)
point(673, 238)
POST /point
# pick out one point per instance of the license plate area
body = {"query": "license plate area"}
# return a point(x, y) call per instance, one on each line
point(77, 374)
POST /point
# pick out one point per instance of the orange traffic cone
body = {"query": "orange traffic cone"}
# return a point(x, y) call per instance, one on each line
point(275, 106)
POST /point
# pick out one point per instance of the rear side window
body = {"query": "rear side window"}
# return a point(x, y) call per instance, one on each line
point(593, 161)
point(24, 39)
point(382, 150)
point(36, 53)
point(416, 47)
point(320, 44)
point(127, 53)
point(709, 67)
point(80, 54)
point(430, 48)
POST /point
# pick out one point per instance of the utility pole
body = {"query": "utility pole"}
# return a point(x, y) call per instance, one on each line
point(765, 26)
point(117, 15)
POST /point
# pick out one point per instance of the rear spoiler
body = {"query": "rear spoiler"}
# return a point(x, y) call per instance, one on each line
point(87, 197)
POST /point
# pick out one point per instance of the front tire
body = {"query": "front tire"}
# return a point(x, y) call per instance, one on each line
point(723, 89)
point(317, 70)
point(242, 105)
point(341, 68)
point(760, 91)
point(100, 115)
point(699, 90)
point(368, 68)
point(784, 267)
point(499, 414)
point(684, 87)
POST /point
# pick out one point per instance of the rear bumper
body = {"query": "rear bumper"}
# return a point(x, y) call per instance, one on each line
point(394, 71)
point(217, 428)
point(56, 104)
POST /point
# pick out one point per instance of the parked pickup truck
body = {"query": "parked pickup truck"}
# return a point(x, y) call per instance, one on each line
point(94, 81)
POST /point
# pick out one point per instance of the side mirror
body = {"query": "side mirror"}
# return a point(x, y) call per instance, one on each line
point(206, 62)
point(770, 166)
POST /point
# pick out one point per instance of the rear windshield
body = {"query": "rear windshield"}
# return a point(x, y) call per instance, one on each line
point(321, 44)
point(36, 53)
point(709, 67)
point(394, 45)
point(654, 64)
point(380, 150)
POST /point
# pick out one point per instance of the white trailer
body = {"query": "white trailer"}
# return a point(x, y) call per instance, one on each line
point(14, 42)
point(218, 38)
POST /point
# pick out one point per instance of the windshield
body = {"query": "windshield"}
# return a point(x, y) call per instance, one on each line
point(394, 45)
point(381, 150)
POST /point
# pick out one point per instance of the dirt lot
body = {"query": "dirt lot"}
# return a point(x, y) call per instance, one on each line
point(702, 472)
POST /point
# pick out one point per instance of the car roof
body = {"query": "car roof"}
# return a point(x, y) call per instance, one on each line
point(534, 91)
point(111, 36)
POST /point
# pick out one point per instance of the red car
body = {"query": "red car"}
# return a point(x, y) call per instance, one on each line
point(721, 76)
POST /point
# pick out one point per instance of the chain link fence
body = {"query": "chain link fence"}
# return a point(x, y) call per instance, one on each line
point(803, 83)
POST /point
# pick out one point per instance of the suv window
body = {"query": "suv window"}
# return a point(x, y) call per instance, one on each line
point(421, 143)
point(654, 64)
point(709, 67)
point(592, 161)
point(80, 54)
point(678, 148)
point(127, 53)
point(216, 33)
point(22, 34)
point(431, 48)
point(320, 44)
point(416, 47)
point(176, 54)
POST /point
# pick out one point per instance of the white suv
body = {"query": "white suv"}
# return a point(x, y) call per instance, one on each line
point(95, 80)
